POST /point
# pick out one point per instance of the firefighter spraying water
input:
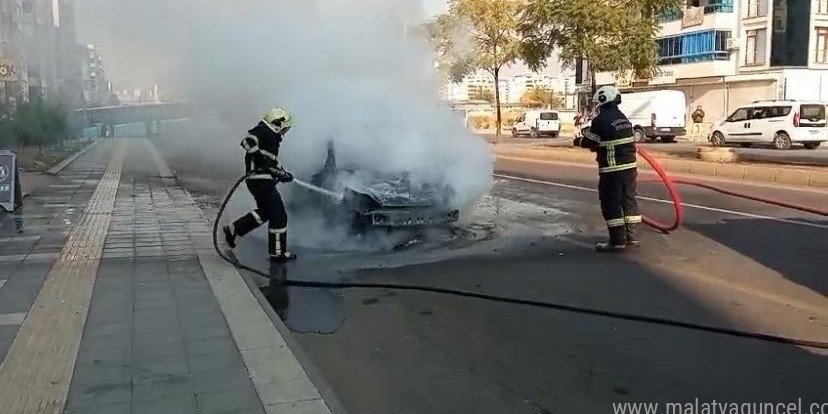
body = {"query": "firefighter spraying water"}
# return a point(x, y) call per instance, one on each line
point(263, 173)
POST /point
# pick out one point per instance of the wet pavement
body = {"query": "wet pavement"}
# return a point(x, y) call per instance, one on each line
point(113, 301)
point(736, 264)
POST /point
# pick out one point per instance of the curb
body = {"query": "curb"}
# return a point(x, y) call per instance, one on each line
point(65, 163)
point(815, 177)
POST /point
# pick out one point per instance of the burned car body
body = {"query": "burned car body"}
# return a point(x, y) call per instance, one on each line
point(371, 199)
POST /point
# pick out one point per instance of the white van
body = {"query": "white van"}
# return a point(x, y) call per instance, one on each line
point(655, 114)
point(536, 123)
point(778, 123)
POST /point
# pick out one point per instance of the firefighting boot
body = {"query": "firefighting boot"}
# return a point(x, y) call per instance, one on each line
point(277, 246)
point(617, 241)
point(632, 240)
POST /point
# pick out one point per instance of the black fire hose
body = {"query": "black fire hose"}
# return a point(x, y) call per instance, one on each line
point(516, 301)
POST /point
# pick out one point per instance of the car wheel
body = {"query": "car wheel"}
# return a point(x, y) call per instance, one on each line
point(533, 133)
point(781, 141)
point(718, 139)
point(638, 135)
point(812, 145)
point(668, 140)
point(554, 135)
point(515, 133)
point(745, 145)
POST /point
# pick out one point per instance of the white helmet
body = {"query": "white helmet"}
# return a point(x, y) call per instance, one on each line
point(607, 94)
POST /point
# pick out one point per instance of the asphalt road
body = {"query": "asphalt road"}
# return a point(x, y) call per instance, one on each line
point(797, 155)
point(735, 264)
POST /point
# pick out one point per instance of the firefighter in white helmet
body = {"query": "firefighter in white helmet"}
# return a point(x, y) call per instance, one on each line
point(263, 174)
point(610, 136)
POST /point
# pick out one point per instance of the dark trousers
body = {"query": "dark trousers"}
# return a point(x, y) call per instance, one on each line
point(269, 209)
point(616, 190)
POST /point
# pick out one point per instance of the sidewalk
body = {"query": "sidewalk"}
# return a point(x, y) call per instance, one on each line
point(112, 301)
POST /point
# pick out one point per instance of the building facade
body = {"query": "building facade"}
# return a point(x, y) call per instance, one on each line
point(97, 89)
point(726, 53)
point(512, 89)
point(14, 81)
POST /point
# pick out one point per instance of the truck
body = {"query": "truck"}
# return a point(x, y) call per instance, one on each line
point(656, 114)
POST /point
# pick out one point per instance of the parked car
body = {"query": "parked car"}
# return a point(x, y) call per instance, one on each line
point(655, 114)
point(536, 123)
point(780, 123)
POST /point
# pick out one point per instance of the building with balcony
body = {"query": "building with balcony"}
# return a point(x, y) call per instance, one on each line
point(725, 53)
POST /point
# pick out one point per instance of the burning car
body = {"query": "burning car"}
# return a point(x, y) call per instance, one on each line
point(372, 199)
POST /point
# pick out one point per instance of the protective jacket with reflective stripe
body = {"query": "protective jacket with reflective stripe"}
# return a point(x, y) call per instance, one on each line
point(611, 137)
point(262, 147)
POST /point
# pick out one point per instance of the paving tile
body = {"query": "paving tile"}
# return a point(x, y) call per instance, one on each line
point(117, 408)
point(178, 405)
point(166, 386)
point(230, 401)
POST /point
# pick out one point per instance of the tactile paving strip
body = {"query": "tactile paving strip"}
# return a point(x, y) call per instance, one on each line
point(35, 376)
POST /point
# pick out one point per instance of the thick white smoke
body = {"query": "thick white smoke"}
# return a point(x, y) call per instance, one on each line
point(348, 69)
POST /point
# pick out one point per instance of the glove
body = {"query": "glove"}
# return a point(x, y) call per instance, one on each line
point(282, 176)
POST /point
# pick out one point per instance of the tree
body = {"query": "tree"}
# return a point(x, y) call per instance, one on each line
point(538, 97)
point(478, 34)
point(487, 95)
point(617, 36)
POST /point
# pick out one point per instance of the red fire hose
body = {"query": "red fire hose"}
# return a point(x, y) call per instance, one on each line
point(670, 183)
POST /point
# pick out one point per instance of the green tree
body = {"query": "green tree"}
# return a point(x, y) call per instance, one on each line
point(538, 97)
point(478, 34)
point(487, 95)
point(611, 35)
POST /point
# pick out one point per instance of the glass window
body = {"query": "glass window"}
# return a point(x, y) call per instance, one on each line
point(549, 116)
point(813, 112)
point(755, 47)
point(822, 6)
point(821, 45)
point(28, 6)
point(741, 114)
point(756, 8)
point(698, 46)
point(778, 111)
point(759, 113)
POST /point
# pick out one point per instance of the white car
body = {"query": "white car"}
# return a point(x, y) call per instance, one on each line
point(536, 123)
point(780, 123)
point(655, 114)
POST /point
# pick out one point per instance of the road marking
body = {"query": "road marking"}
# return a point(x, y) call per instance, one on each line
point(662, 201)
point(12, 319)
point(37, 370)
point(2, 283)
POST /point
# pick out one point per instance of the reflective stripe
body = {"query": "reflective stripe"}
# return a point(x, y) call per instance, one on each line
point(611, 157)
point(268, 154)
point(615, 222)
point(257, 217)
point(252, 149)
point(633, 219)
point(253, 139)
point(278, 231)
point(615, 168)
point(615, 142)
point(592, 136)
point(260, 177)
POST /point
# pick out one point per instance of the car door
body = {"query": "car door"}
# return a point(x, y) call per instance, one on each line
point(776, 119)
point(758, 127)
point(520, 124)
point(736, 125)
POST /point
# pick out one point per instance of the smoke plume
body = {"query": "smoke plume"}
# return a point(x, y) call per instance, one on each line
point(352, 72)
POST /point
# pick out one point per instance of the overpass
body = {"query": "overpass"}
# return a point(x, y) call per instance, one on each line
point(150, 113)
